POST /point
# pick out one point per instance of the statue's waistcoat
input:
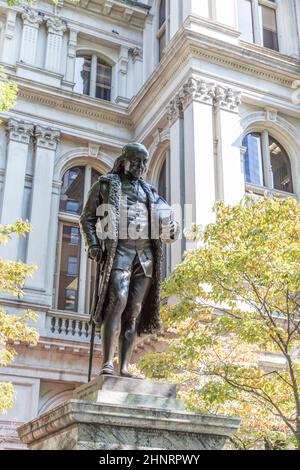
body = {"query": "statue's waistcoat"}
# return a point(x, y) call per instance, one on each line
point(134, 231)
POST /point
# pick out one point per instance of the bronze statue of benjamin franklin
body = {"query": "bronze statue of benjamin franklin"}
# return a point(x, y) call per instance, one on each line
point(124, 224)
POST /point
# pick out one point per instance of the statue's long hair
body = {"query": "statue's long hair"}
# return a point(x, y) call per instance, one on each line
point(128, 152)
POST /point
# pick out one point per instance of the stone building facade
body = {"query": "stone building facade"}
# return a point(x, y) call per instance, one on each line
point(212, 90)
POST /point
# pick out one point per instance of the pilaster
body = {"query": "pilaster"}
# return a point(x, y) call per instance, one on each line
point(228, 132)
point(71, 55)
point(31, 22)
point(136, 54)
point(19, 134)
point(37, 251)
point(56, 29)
point(122, 76)
point(8, 36)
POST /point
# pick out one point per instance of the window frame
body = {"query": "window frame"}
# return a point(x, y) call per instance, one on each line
point(93, 74)
point(163, 29)
point(257, 22)
point(268, 185)
point(85, 264)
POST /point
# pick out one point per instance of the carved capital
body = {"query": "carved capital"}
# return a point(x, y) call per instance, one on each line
point(56, 26)
point(227, 98)
point(19, 131)
point(174, 110)
point(32, 18)
point(46, 137)
point(196, 90)
point(192, 90)
point(136, 53)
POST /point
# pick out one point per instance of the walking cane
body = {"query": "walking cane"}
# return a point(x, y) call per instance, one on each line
point(93, 308)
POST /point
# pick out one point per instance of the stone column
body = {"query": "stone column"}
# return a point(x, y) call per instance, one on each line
point(19, 134)
point(8, 36)
point(197, 98)
point(56, 29)
point(37, 251)
point(177, 179)
point(31, 23)
point(229, 164)
point(136, 54)
point(122, 69)
point(71, 57)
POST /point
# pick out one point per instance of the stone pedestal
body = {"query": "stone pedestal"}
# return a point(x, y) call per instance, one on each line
point(113, 413)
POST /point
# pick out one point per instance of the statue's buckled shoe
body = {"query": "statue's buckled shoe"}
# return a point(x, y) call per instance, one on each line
point(108, 370)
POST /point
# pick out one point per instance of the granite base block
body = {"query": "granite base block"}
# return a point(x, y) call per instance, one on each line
point(113, 413)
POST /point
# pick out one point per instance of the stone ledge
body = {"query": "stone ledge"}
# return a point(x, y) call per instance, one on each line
point(95, 419)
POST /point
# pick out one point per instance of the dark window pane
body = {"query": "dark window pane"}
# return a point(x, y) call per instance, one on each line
point(245, 20)
point(82, 75)
point(103, 80)
point(253, 165)
point(72, 191)
point(281, 167)
point(269, 27)
point(95, 176)
point(162, 13)
point(69, 268)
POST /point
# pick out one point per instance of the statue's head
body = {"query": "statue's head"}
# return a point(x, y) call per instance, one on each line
point(133, 161)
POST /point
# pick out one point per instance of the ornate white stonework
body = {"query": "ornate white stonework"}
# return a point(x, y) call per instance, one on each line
point(56, 26)
point(32, 18)
point(31, 22)
point(204, 92)
point(136, 53)
point(19, 131)
point(46, 137)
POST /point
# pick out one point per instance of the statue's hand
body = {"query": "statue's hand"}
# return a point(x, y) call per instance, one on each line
point(95, 253)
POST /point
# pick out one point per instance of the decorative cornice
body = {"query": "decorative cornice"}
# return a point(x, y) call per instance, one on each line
point(204, 92)
point(19, 131)
point(47, 137)
point(56, 26)
point(84, 108)
point(32, 18)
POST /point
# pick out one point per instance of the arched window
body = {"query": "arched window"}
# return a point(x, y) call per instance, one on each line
point(93, 77)
point(162, 28)
point(74, 274)
point(266, 163)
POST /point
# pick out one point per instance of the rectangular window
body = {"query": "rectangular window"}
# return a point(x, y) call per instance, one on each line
point(82, 75)
point(253, 159)
point(103, 81)
point(69, 268)
point(269, 27)
point(245, 19)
